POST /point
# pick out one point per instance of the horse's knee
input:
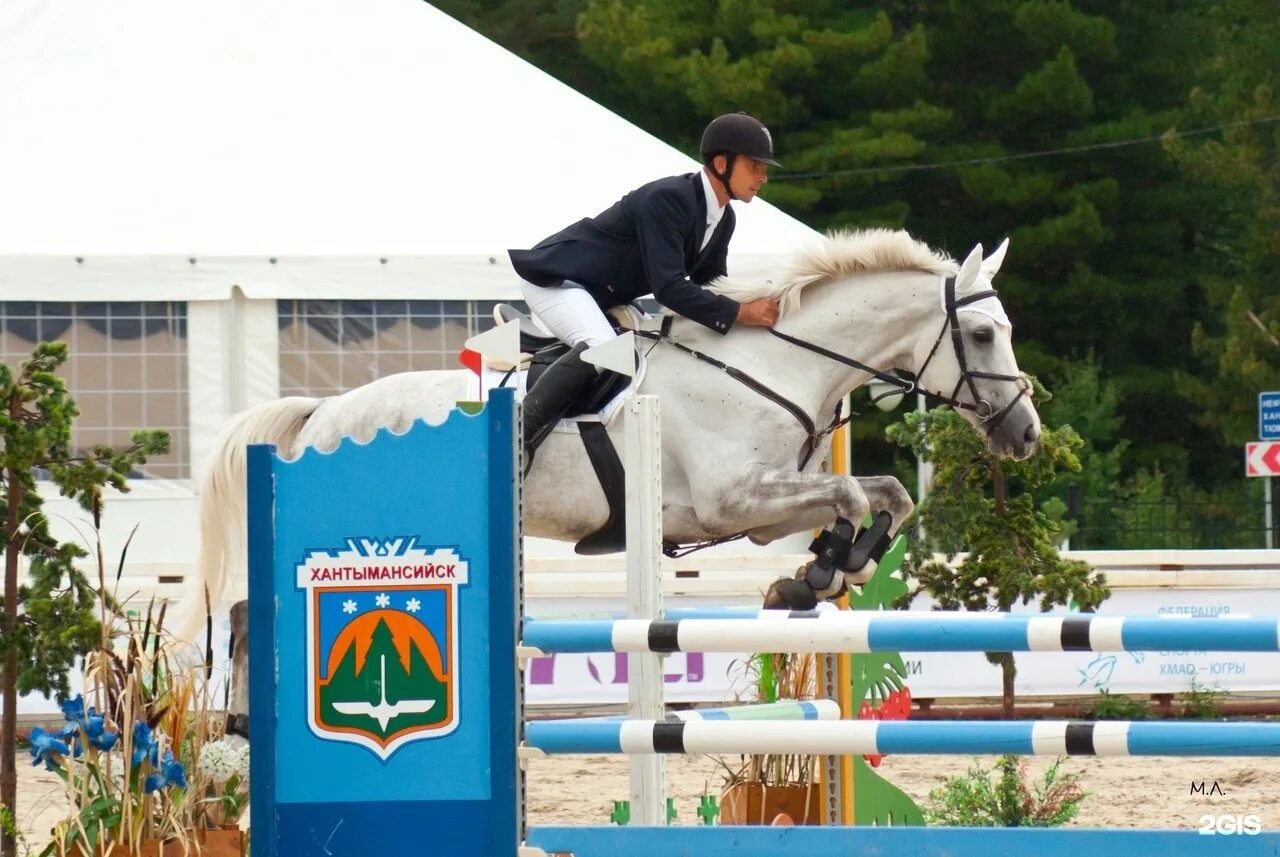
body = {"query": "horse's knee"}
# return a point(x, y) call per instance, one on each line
point(853, 504)
point(890, 496)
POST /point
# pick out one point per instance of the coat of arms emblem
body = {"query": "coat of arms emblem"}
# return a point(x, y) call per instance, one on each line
point(382, 641)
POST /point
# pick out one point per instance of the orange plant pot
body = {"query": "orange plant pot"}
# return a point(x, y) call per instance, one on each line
point(756, 803)
point(226, 841)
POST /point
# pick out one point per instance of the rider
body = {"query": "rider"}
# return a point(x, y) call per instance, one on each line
point(666, 238)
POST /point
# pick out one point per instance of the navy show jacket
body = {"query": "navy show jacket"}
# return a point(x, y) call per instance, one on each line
point(646, 243)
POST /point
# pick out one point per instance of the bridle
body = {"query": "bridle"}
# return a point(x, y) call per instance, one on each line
point(980, 406)
point(985, 411)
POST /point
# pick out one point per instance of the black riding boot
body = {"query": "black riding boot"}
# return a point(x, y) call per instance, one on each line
point(555, 391)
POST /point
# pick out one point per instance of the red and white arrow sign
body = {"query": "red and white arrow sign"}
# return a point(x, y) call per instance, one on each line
point(1262, 459)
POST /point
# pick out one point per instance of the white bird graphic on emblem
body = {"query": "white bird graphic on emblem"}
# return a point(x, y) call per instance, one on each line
point(383, 712)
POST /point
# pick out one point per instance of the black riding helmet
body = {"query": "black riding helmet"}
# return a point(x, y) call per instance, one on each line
point(736, 134)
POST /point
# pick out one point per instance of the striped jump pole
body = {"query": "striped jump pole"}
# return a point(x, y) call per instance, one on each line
point(825, 609)
point(870, 737)
point(788, 710)
point(861, 632)
point(677, 613)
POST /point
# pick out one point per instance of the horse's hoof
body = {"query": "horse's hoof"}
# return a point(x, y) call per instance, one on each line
point(862, 575)
point(790, 594)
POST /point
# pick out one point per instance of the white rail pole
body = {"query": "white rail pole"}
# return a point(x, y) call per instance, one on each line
point(643, 461)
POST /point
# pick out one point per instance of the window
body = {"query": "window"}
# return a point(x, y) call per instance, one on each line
point(331, 346)
point(127, 369)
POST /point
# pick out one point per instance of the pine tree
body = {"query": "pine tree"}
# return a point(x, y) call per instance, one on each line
point(49, 621)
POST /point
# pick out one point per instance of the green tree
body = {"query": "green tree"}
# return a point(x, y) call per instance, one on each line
point(1240, 343)
point(985, 507)
point(1086, 402)
point(49, 621)
point(1105, 237)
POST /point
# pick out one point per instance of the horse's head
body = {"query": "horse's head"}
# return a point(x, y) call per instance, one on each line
point(973, 363)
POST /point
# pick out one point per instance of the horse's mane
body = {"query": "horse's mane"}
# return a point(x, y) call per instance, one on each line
point(842, 254)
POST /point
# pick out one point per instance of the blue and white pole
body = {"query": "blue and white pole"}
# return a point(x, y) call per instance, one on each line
point(863, 737)
point(860, 632)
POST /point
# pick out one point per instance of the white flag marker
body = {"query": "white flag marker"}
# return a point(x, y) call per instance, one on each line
point(618, 355)
point(501, 343)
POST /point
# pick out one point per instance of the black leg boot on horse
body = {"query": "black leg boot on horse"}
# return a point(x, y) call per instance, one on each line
point(550, 398)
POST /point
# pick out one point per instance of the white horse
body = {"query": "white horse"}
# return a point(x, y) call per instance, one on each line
point(737, 453)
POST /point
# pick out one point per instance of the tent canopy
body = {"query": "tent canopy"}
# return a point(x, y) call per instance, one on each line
point(172, 149)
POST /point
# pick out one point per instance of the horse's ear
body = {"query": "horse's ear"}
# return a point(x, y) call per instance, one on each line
point(969, 271)
point(991, 264)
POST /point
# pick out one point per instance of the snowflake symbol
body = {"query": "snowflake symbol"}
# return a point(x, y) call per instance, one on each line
point(382, 600)
point(413, 605)
point(348, 606)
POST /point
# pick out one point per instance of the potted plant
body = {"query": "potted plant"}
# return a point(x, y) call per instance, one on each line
point(147, 769)
point(762, 787)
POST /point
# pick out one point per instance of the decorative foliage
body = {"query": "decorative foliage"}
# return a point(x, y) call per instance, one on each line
point(165, 775)
point(985, 507)
point(974, 800)
point(226, 767)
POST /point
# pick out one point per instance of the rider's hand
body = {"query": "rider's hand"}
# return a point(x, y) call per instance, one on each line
point(761, 313)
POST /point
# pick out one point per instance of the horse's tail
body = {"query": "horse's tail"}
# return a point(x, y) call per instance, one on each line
point(223, 528)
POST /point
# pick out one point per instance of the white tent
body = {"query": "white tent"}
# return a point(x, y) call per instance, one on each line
point(229, 153)
point(172, 149)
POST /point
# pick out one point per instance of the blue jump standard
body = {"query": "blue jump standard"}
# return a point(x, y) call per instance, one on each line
point(859, 632)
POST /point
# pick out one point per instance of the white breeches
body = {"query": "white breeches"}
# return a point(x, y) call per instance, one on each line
point(569, 313)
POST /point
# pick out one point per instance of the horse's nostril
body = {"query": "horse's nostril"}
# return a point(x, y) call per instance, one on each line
point(1032, 434)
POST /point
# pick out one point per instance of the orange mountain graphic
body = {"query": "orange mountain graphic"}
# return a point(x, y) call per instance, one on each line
point(404, 633)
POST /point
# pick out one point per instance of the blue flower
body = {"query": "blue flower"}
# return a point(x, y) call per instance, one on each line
point(171, 773)
point(96, 731)
point(91, 723)
point(44, 746)
point(73, 709)
point(144, 743)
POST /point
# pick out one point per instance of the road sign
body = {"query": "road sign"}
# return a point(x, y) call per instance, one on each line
point(1262, 459)
point(1269, 416)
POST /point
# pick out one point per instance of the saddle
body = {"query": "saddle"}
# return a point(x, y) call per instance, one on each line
point(539, 350)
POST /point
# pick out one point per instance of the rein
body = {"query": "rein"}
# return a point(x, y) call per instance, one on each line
point(979, 406)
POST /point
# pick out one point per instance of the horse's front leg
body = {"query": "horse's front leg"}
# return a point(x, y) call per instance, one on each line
point(771, 503)
point(887, 494)
point(883, 493)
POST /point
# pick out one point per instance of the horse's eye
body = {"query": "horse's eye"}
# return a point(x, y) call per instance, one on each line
point(985, 335)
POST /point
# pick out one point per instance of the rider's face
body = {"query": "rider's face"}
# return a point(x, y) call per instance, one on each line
point(747, 177)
